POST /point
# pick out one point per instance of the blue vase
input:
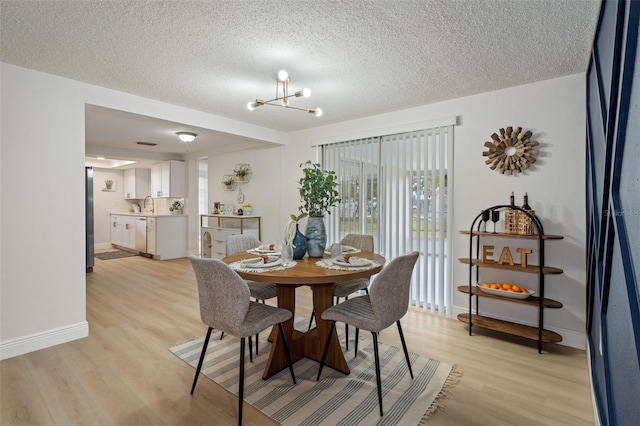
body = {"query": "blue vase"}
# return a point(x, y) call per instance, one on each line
point(299, 244)
point(316, 236)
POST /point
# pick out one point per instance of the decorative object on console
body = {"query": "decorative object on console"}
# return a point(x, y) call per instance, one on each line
point(282, 99)
point(318, 194)
point(248, 208)
point(511, 152)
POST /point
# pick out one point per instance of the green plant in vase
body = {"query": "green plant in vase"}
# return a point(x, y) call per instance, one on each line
point(176, 206)
point(318, 193)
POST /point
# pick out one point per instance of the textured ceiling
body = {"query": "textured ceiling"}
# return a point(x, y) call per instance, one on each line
point(359, 58)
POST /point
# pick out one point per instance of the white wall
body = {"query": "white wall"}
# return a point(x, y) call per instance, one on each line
point(43, 225)
point(43, 234)
point(554, 110)
point(42, 229)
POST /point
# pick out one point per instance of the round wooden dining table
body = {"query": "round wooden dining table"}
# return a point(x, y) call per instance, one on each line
point(321, 280)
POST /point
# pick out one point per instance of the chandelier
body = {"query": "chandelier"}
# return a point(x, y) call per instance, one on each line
point(282, 96)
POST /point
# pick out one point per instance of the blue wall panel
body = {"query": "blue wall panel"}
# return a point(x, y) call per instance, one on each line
point(613, 213)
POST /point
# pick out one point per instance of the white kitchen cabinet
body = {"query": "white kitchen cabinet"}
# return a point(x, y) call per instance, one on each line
point(169, 241)
point(116, 230)
point(151, 235)
point(136, 183)
point(123, 231)
point(129, 232)
point(168, 179)
point(166, 234)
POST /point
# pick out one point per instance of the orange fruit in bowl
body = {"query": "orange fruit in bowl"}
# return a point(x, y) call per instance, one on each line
point(506, 286)
point(515, 287)
point(486, 285)
point(494, 286)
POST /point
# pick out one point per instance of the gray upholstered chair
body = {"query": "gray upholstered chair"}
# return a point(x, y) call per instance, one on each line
point(363, 242)
point(259, 291)
point(386, 303)
point(225, 305)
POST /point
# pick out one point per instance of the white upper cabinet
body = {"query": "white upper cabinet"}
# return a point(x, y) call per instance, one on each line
point(136, 183)
point(168, 179)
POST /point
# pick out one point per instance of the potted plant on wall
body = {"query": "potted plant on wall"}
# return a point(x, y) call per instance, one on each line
point(242, 172)
point(108, 183)
point(229, 182)
point(318, 194)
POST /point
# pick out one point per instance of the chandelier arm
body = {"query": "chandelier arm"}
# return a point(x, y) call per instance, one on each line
point(283, 101)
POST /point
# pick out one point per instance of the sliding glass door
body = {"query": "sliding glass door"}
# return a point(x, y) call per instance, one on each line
point(395, 187)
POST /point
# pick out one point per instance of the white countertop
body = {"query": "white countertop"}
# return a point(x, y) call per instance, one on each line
point(148, 214)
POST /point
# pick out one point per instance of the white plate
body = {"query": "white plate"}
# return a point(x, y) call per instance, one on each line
point(340, 262)
point(503, 293)
point(345, 249)
point(259, 265)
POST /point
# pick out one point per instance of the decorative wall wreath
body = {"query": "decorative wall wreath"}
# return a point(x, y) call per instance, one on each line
point(511, 152)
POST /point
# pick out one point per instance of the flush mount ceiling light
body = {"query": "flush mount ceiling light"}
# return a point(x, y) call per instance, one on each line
point(186, 136)
point(282, 96)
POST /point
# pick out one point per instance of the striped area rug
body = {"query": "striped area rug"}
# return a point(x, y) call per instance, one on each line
point(337, 399)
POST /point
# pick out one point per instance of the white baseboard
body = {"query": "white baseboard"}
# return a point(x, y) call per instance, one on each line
point(33, 342)
point(99, 246)
point(571, 338)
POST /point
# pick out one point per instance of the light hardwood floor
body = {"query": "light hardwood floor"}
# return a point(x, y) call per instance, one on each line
point(137, 308)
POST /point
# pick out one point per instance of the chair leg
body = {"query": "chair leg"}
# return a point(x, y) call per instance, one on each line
point(257, 337)
point(326, 349)
point(250, 349)
point(404, 347)
point(286, 352)
point(355, 352)
point(221, 335)
point(202, 354)
point(241, 385)
point(346, 330)
point(377, 358)
point(313, 314)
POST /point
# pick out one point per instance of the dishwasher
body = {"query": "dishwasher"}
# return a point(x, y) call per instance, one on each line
point(141, 234)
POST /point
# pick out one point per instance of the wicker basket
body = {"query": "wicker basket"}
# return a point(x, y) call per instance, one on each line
point(517, 222)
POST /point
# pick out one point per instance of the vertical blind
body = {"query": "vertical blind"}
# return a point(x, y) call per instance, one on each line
point(396, 188)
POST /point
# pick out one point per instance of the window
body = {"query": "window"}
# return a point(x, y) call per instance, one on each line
point(396, 187)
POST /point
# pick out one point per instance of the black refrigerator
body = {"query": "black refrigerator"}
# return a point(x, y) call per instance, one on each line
point(88, 189)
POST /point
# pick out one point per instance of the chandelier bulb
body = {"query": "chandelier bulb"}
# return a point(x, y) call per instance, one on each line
point(306, 92)
point(318, 112)
point(251, 106)
point(283, 75)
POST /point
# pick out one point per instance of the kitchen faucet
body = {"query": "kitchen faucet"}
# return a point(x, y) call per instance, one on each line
point(153, 204)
